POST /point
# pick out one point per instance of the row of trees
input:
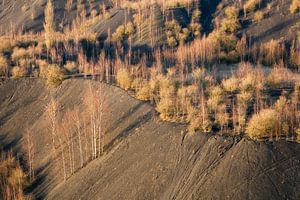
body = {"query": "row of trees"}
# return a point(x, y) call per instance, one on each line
point(78, 132)
point(12, 178)
point(209, 104)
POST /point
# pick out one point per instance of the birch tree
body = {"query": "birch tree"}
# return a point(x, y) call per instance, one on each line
point(49, 24)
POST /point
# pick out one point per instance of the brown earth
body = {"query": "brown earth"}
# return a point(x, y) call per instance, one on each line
point(144, 158)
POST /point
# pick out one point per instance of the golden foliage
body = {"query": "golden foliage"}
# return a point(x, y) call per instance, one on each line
point(295, 6)
point(251, 5)
point(124, 78)
point(263, 124)
point(55, 76)
point(12, 178)
point(4, 65)
point(18, 72)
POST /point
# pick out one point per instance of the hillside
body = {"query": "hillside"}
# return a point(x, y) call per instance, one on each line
point(28, 16)
point(277, 21)
point(144, 157)
point(160, 99)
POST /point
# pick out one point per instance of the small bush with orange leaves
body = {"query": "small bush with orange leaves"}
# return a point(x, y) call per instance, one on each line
point(55, 76)
point(258, 16)
point(3, 65)
point(251, 5)
point(124, 79)
point(5, 45)
point(18, 72)
point(295, 6)
point(263, 124)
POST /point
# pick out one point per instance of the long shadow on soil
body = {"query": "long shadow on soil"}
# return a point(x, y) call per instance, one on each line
point(275, 29)
point(40, 179)
point(129, 129)
point(208, 8)
point(126, 115)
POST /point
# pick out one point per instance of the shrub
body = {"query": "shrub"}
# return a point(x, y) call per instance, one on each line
point(124, 78)
point(186, 96)
point(222, 116)
point(12, 178)
point(55, 76)
point(166, 108)
point(184, 35)
point(230, 24)
point(166, 105)
point(243, 101)
point(272, 52)
point(172, 42)
point(198, 74)
point(108, 15)
point(4, 65)
point(195, 29)
point(251, 5)
point(129, 29)
point(5, 45)
point(18, 72)
point(71, 67)
point(258, 16)
point(244, 98)
point(197, 124)
point(19, 53)
point(294, 55)
point(263, 124)
point(94, 13)
point(136, 83)
point(174, 27)
point(248, 82)
point(298, 134)
point(43, 68)
point(280, 77)
point(144, 93)
point(196, 15)
point(231, 84)
point(216, 97)
point(198, 119)
point(295, 6)
point(119, 34)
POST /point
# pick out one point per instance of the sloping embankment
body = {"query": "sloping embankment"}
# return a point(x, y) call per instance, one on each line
point(145, 158)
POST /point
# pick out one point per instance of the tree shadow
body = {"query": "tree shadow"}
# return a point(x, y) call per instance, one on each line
point(40, 178)
point(128, 130)
point(208, 8)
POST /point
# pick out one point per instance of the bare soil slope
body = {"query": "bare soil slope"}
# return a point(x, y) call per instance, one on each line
point(29, 15)
point(277, 23)
point(144, 157)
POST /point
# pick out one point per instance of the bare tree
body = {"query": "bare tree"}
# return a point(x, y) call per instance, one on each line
point(94, 102)
point(100, 105)
point(76, 118)
point(66, 131)
point(30, 152)
point(49, 25)
point(62, 156)
point(91, 114)
point(52, 112)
